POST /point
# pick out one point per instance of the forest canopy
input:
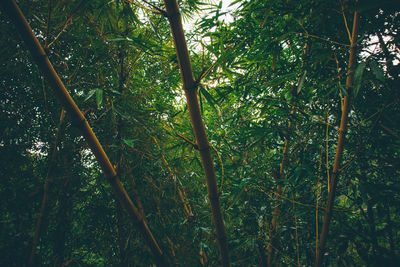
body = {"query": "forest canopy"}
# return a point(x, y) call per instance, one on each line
point(199, 133)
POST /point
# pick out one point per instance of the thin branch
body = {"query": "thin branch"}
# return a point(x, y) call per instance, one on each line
point(207, 71)
point(373, 115)
point(391, 132)
point(183, 198)
point(327, 153)
point(195, 146)
point(156, 10)
point(270, 195)
point(67, 23)
point(321, 38)
point(297, 235)
point(345, 22)
point(222, 169)
point(318, 189)
point(48, 24)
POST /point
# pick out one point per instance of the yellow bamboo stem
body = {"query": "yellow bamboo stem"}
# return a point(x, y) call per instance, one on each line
point(190, 88)
point(339, 149)
point(23, 28)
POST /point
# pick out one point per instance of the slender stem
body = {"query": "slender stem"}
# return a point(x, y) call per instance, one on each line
point(190, 88)
point(43, 205)
point(78, 119)
point(48, 24)
point(274, 227)
point(340, 144)
point(181, 193)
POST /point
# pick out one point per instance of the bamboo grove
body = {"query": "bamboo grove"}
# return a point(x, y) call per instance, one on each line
point(232, 133)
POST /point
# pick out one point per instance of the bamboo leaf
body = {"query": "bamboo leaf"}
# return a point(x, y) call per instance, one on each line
point(129, 142)
point(208, 97)
point(91, 93)
point(358, 73)
point(301, 83)
point(201, 102)
point(99, 97)
point(343, 90)
point(118, 39)
point(281, 79)
point(377, 71)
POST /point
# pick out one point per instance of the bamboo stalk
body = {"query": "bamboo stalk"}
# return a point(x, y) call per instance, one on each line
point(120, 169)
point(274, 226)
point(339, 149)
point(39, 56)
point(274, 222)
point(190, 88)
point(43, 205)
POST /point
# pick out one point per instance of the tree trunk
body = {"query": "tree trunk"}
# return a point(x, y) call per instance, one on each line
point(39, 56)
point(190, 88)
point(339, 149)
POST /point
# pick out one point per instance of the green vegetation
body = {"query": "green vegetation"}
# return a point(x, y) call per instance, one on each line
point(270, 138)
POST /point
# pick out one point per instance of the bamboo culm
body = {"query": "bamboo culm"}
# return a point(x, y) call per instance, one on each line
point(274, 222)
point(190, 88)
point(12, 10)
point(43, 205)
point(340, 144)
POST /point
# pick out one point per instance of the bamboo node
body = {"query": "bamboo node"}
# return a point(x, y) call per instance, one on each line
point(207, 148)
point(194, 87)
point(171, 14)
point(213, 197)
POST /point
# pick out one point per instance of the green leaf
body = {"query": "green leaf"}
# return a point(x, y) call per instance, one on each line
point(330, 91)
point(129, 142)
point(301, 83)
point(358, 73)
point(115, 92)
point(343, 90)
point(91, 93)
point(208, 97)
point(378, 72)
point(118, 39)
point(281, 79)
point(201, 102)
point(99, 97)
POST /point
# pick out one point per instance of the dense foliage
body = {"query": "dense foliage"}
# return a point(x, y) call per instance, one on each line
point(271, 86)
